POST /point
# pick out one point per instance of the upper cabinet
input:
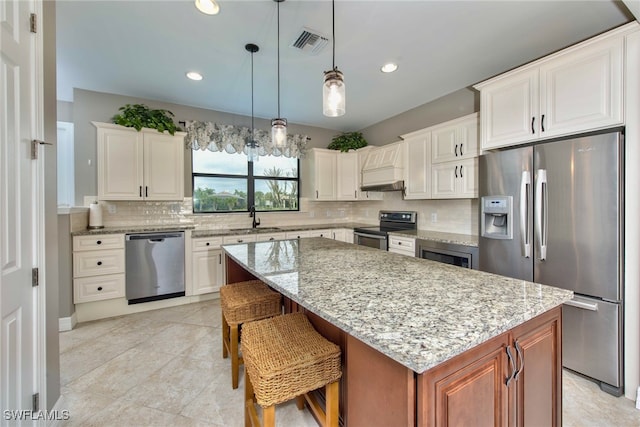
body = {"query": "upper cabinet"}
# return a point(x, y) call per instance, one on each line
point(334, 175)
point(455, 140)
point(384, 165)
point(145, 165)
point(575, 90)
point(417, 174)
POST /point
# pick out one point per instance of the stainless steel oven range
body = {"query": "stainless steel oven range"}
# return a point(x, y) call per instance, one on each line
point(377, 237)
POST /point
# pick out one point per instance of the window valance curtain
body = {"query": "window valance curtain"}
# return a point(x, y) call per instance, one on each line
point(235, 139)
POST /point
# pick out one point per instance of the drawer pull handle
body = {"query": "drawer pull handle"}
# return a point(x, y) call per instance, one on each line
point(272, 238)
point(99, 262)
point(240, 240)
point(99, 288)
point(456, 150)
point(99, 242)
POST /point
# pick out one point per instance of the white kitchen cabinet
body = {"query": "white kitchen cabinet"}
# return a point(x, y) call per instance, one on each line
point(575, 90)
point(98, 267)
point(347, 176)
point(145, 165)
point(348, 236)
point(402, 245)
point(455, 180)
point(319, 174)
point(207, 262)
point(297, 234)
point(242, 238)
point(455, 140)
point(270, 237)
point(417, 174)
point(384, 164)
point(338, 234)
point(327, 234)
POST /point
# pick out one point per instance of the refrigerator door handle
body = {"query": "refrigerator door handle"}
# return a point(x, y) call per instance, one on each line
point(583, 305)
point(525, 196)
point(541, 212)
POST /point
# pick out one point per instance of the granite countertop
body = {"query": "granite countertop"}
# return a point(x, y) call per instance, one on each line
point(419, 313)
point(438, 236)
point(133, 229)
point(272, 230)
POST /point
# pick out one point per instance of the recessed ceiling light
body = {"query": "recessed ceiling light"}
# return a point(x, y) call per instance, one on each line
point(194, 76)
point(389, 67)
point(210, 7)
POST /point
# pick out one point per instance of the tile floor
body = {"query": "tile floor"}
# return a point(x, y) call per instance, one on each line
point(165, 368)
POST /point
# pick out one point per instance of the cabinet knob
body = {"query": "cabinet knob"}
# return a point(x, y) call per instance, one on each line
point(99, 242)
point(399, 243)
point(272, 238)
point(208, 243)
point(99, 262)
point(240, 240)
point(99, 288)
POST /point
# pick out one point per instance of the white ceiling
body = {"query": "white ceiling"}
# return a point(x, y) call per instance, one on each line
point(144, 48)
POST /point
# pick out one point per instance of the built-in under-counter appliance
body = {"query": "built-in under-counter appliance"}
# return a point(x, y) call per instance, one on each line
point(154, 264)
point(448, 253)
point(552, 213)
point(378, 237)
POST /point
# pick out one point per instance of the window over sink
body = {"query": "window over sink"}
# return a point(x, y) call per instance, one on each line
point(224, 182)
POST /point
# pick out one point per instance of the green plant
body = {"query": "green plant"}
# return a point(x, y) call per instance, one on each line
point(347, 141)
point(140, 116)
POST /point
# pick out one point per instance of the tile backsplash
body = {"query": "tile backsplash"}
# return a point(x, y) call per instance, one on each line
point(455, 216)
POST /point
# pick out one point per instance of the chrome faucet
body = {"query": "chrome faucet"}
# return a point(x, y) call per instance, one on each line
point(252, 214)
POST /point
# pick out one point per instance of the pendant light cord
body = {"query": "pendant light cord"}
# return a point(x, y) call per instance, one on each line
point(278, 4)
point(252, 140)
point(333, 18)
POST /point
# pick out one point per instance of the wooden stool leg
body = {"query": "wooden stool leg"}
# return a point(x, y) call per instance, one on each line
point(225, 337)
point(269, 416)
point(249, 406)
point(300, 402)
point(332, 409)
point(234, 356)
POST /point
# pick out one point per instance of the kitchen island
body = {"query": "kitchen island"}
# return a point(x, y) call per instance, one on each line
point(423, 343)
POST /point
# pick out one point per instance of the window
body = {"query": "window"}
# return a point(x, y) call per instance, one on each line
point(224, 182)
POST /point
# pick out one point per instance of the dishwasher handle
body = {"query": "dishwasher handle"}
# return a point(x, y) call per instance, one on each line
point(155, 237)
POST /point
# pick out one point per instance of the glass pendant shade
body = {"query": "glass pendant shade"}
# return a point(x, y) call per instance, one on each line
point(279, 132)
point(333, 94)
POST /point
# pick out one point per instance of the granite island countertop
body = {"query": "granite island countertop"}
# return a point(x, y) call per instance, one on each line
point(419, 313)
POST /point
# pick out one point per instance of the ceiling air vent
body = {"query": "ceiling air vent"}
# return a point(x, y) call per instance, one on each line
point(310, 41)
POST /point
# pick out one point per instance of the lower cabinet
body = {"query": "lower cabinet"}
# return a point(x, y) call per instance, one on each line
point(98, 267)
point(402, 245)
point(207, 265)
point(455, 180)
point(514, 379)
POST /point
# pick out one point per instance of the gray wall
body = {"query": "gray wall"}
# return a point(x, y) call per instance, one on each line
point(457, 104)
point(65, 111)
point(51, 206)
point(91, 106)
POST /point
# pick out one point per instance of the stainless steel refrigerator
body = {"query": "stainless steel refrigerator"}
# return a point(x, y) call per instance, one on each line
point(552, 213)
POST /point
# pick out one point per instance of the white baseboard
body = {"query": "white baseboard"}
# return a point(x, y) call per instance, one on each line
point(67, 323)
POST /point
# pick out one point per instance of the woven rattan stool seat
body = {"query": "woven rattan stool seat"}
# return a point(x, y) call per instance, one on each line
point(246, 301)
point(286, 357)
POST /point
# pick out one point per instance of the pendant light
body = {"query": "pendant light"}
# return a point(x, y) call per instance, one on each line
point(333, 94)
point(279, 125)
point(252, 146)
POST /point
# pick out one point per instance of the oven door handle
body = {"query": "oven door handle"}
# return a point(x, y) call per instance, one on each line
point(370, 236)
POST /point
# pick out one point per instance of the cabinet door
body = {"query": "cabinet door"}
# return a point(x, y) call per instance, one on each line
point(163, 167)
point(338, 234)
point(444, 144)
point(417, 178)
point(538, 386)
point(468, 137)
point(468, 390)
point(120, 170)
point(207, 271)
point(509, 107)
point(468, 179)
point(325, 175)
point(348, 176)
point(444, 180)
point(582, 90)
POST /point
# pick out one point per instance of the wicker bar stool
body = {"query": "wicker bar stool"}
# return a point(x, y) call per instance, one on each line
point(244, 302)
point(286, 358)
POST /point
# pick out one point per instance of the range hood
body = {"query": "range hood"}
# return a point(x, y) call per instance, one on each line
point(383, 169)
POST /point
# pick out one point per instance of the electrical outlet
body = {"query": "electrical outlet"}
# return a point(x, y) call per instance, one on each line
point(111, 208)
point(434, 217)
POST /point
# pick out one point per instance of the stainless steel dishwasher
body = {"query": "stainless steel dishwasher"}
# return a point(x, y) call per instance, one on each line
point(154, 264)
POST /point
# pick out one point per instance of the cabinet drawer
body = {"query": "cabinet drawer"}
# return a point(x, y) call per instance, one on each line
point(405, 244)
point(94, 263)
point(98, 242)
point(321, 233)
point(238, 239)
point(205, 243)
point(270, 237)
point(97, 288)
point(297, 234)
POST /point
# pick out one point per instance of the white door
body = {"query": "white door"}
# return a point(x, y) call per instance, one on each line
point(20, 120)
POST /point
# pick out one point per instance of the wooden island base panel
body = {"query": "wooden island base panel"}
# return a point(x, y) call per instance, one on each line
point(512, 379)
